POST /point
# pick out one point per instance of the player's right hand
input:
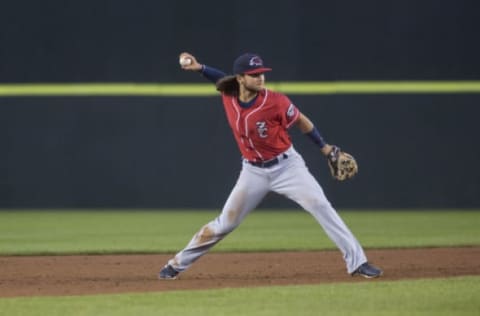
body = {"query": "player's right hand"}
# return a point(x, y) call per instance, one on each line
point(194, 65)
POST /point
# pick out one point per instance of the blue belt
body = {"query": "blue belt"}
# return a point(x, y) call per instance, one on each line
point(267, 163)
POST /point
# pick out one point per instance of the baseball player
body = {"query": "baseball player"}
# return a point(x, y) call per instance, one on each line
point(260, 119)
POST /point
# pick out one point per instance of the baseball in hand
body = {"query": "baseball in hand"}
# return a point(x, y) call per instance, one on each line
point(185, 61)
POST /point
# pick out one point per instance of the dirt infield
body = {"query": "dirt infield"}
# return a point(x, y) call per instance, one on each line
point(81, 275)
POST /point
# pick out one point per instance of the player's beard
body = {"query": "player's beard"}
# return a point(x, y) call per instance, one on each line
point(255, 87)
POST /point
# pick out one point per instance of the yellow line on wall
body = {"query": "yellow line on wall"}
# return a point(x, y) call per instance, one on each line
point(378, 87)
point(206, 89)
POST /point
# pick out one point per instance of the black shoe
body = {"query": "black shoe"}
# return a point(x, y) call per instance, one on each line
point(168, 273)
point(368, 271)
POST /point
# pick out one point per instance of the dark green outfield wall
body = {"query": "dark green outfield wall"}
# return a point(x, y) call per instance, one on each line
point(92, 40)
point(413, 150)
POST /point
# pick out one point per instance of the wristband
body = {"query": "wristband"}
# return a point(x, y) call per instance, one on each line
point(315, 136)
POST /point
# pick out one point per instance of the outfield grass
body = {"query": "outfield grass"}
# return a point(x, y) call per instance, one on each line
point(455, 296)
point(60, 232)
point(75, 232)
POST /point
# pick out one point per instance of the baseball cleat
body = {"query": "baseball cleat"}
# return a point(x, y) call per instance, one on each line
point(368, 271)
point(168, 273)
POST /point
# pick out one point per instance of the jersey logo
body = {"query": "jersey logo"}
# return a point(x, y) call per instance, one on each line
point(291, 111)
point(262, 129)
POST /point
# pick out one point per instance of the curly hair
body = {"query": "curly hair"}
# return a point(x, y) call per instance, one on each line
point(228, 85)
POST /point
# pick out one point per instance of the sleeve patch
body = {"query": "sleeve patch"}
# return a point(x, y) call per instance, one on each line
point(291, 111)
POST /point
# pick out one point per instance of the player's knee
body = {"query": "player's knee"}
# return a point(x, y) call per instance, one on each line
point(223, 227)
point(315, 203)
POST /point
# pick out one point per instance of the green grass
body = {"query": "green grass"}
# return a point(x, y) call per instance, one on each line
point(60, 232)
point(454, 296)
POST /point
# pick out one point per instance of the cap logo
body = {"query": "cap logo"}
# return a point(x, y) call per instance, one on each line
point(255, 61)
point(248, 64)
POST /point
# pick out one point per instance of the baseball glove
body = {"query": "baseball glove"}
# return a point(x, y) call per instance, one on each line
point(342, 165)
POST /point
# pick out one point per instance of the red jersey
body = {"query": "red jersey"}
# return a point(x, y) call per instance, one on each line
point(261, 129)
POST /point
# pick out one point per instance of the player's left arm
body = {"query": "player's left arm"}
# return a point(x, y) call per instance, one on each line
point(342, 165)
point(292, 116)
point(308, 128)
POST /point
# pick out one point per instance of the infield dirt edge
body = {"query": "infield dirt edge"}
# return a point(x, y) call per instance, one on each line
point(106, 274)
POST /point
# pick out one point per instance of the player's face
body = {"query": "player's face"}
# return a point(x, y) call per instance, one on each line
point(254, 82)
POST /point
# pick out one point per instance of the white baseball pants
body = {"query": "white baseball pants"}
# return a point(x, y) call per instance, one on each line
point(291, 178)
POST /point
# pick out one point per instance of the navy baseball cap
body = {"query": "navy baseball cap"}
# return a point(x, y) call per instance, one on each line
point(249, 64)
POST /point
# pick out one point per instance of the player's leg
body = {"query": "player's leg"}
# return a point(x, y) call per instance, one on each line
point(250, 189)
point(296, 183)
